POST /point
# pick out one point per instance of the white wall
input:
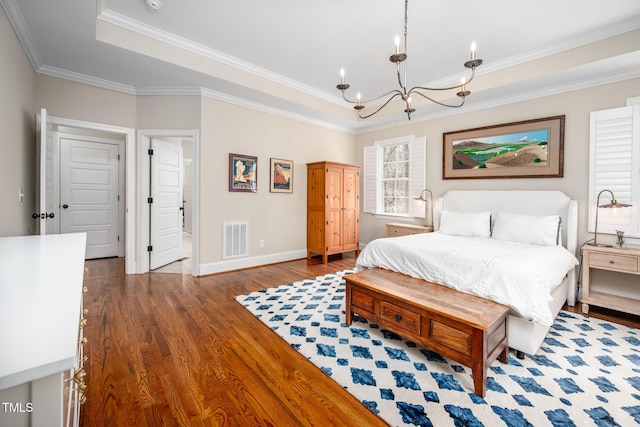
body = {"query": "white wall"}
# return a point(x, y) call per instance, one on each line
point(17, 121)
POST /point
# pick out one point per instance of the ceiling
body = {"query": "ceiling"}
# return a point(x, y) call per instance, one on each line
point(284, 56)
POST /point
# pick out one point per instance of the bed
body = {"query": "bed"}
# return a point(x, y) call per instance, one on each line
point(513, 247)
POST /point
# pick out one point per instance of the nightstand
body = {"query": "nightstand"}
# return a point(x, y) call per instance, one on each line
point(625, 260)
point(396, 229)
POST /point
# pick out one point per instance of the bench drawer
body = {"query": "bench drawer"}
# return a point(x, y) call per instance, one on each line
point(363, 300)
point(400, 318)
point(456, 339)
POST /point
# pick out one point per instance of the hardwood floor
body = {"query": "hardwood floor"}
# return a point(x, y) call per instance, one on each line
point(168, 349)
point(173, 350)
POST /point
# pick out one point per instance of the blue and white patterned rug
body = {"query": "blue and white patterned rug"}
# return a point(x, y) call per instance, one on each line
point(587, 372)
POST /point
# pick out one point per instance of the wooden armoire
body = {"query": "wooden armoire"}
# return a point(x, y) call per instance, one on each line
point(333, 209)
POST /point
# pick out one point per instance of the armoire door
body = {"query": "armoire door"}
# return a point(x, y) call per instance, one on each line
point(334, 194)
point(350, 209)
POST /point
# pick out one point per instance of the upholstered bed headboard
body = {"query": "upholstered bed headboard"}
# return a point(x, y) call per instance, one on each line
point(517, 202)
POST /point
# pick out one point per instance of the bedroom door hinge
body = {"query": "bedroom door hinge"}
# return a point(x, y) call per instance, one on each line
point(150, 200)
point(118, 157)
point(150, 151)
point(149, 248)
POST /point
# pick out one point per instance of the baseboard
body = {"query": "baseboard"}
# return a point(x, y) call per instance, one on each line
point(248, 262)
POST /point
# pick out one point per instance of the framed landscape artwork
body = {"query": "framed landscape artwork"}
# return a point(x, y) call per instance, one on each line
point(281, 176)
point(243, 173)
point(527, 149)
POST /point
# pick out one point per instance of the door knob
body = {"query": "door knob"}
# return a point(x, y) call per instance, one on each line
point(65, 206)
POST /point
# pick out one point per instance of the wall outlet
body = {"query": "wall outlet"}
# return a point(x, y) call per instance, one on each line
point(262, 243)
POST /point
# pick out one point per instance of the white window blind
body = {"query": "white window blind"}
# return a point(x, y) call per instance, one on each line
point(614, 165)
point(372, 175)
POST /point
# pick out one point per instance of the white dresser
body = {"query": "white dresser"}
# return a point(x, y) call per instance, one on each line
point(41, 319)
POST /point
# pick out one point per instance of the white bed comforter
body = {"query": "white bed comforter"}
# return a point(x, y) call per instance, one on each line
point(519, 275)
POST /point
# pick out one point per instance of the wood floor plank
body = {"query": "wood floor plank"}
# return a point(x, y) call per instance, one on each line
point(173, 350)
point(166, 349)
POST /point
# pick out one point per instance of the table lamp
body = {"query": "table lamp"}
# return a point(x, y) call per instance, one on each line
point(612, 205)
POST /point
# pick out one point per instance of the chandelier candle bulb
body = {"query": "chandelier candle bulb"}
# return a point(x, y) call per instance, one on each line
point(341, 75)
point(473, 50)
point(397, 41)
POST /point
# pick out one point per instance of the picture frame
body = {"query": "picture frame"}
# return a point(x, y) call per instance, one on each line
point(526, 149)
point(243, 173)
point(281, 173)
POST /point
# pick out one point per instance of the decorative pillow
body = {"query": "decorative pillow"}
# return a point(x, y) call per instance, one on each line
point(533, 230)
point(471, 224)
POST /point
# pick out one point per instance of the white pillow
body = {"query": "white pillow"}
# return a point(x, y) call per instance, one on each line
point(533, 230)
point(471, 224)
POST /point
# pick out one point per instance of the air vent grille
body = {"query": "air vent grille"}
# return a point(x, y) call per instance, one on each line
point(235, 239)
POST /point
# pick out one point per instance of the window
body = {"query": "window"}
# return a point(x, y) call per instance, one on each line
point(395, 178)
point(614, 165)
point(394, 175)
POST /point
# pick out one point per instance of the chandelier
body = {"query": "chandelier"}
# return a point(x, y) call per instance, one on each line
point(400, 58)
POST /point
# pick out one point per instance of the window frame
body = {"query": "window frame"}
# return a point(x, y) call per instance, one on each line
point(373, 190)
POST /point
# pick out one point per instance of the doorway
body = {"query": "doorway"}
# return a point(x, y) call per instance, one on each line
point(90, 189)
point(48, 205)
point(171, 227)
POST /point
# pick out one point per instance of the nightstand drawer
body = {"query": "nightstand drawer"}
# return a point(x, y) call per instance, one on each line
point(398, 229)
point(613, 262)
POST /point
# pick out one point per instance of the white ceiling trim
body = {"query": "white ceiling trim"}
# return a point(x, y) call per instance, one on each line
point(85, 79)
point(514, 99)
point(133, 25)
point(219, 96)
point(562, 46)
point(20, 27)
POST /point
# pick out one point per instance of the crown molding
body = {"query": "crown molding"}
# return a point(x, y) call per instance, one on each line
point(219, 96)
point(22, 32)
point(133, 25)
point(517, 98)
point(85, 79)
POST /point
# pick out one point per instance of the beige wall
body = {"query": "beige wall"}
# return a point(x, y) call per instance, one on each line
point(17, 121)
point(575, 105)
point(278, 219)
point(77, 101)
point(168, 112)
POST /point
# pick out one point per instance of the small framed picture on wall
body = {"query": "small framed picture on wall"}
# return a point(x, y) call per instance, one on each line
point(243, 173)
point(281, 176)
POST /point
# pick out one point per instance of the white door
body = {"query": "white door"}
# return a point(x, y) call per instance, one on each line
point(166, 203)
point(89, 197)
point(45, 209)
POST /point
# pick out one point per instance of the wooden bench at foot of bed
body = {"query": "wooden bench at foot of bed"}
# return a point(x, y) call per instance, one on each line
point(465, 328)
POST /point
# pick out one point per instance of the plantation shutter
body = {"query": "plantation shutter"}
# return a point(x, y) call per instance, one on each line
point(417, 176)
point(370, 179)
point(614, 165)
